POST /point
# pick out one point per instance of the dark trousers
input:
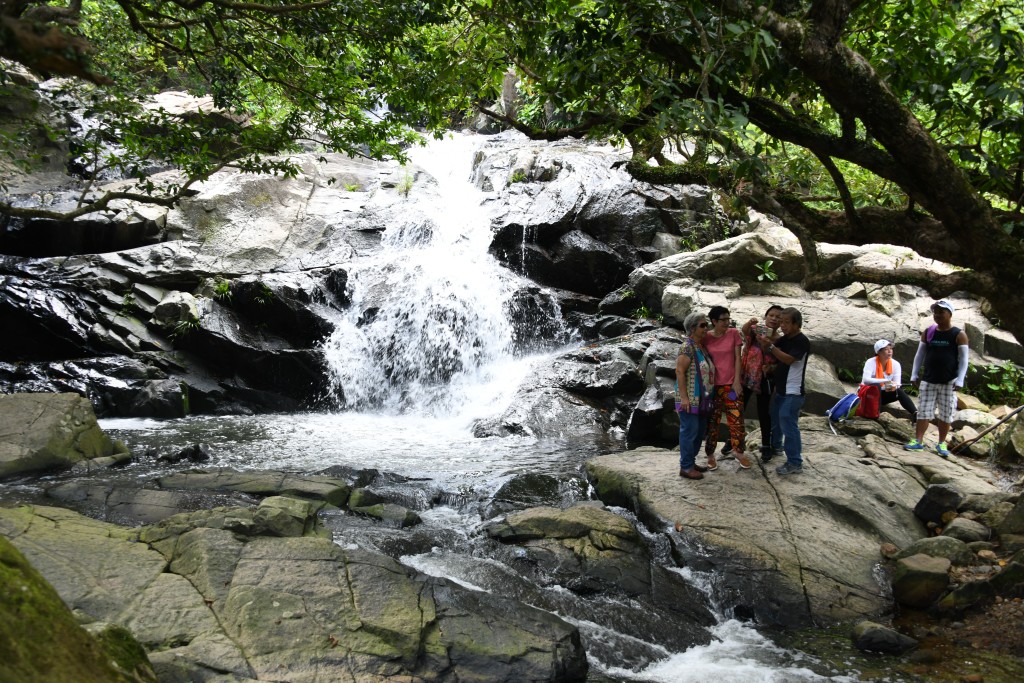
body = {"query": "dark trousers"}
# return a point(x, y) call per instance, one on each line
point(905, 401)
point(764, 402)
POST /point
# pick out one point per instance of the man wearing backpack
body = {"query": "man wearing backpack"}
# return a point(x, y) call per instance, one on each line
point(944, 354)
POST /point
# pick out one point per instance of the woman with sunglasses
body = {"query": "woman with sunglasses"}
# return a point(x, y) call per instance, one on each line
point(695, 378)
point(723, 344)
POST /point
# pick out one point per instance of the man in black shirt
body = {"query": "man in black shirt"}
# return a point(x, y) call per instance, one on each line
point(791, 352)
point(943, 352)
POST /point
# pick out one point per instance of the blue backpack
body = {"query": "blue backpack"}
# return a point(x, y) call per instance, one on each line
point(845, 408)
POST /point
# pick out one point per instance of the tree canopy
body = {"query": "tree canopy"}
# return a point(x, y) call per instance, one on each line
point(854, 121)
point(289, 71)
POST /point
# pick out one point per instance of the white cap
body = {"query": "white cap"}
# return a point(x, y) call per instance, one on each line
point(942, 303)
point(881, 344)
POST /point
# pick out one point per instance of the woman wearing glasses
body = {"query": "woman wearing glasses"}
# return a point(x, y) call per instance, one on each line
point(695, 379)
point(724, 343)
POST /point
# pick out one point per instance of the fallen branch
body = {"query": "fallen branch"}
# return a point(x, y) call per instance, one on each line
point(970, 441)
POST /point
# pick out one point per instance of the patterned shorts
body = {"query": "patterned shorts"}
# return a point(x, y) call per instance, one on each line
point(936, 400)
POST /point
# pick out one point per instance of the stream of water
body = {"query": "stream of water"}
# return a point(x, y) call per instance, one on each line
point(437, 351)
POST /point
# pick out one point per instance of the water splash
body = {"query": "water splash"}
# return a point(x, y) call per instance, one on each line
point(432, 322)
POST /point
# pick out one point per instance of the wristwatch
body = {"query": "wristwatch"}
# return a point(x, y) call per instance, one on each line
point(771, 347)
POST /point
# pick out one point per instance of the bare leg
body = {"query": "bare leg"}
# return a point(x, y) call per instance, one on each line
point(922, 427)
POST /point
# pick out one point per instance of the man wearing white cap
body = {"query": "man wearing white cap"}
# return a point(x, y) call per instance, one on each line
point(885, 371)
point(943, 353)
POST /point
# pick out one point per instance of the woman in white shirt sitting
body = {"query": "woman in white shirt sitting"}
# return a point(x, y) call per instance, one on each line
point(883, 370)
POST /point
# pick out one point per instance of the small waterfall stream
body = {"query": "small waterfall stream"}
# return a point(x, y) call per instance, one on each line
point(430, 328)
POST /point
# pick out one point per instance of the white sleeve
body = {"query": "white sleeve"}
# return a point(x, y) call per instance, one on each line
point(897, 374)
point(963, 361)
point(918, 359)
point(868, 376)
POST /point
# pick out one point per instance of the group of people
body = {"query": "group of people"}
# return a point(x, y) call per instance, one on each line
point(719, 369)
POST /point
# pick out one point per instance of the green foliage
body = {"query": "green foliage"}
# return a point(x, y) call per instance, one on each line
point(766, 271)
point(185, 327)
point(644, 312)
point(404, 186)
point(279, 72)
point(352, 187)
point(849, 376)
point(127, 303)
point(265, 295)
point(518, 176)
point(221, 289)
point(1001, 384)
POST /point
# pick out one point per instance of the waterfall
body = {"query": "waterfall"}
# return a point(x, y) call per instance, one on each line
point(431, 329)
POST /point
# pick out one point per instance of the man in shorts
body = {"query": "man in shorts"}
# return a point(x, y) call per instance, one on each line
point(943, 353)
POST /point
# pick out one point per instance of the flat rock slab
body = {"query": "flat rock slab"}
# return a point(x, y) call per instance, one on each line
point(795, 548)
point(208, 602)
point(262, 483)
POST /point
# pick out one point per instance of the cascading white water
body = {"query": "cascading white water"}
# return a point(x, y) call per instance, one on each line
point(429, 329)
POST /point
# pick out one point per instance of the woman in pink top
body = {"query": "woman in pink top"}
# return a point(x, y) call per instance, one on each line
point(723, 344)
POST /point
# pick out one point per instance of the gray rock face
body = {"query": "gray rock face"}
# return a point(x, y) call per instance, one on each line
point(805, 546)
point(209, 602)
point(40, 432)
point(571, 218)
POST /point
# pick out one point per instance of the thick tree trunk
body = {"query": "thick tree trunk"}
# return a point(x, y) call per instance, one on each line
point(965, 220)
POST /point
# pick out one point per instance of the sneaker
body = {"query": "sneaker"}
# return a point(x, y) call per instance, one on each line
point(767, 453)
point(788, 468)
point(942, 450)
point(712, 463)
point(914, 445)
point(727, 448)
point(743, 460)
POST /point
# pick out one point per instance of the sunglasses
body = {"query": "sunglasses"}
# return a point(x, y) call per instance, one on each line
point(703, 324)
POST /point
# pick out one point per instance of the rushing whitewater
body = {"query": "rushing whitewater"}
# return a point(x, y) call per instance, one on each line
point(430, 328)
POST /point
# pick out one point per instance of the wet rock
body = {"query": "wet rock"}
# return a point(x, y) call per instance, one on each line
point(937, 500)
point(197, 452)
point(585, 548)
point(919, 580)
point(871, 637)
point(389, 513)
point(1013, 523)
point(40, 432)
point(260, 483)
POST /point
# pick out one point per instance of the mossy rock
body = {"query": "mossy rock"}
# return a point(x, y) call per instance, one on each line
point(41, 641)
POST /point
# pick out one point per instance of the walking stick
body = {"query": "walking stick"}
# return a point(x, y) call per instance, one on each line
point(970, 441)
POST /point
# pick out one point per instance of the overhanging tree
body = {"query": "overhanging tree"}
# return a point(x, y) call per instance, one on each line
point(285, 70)
point(853, 121)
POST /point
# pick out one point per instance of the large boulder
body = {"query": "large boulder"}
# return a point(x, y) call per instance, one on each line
point(209, 594)
point(40, 432)
point(804, 547)
point(572, 217)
